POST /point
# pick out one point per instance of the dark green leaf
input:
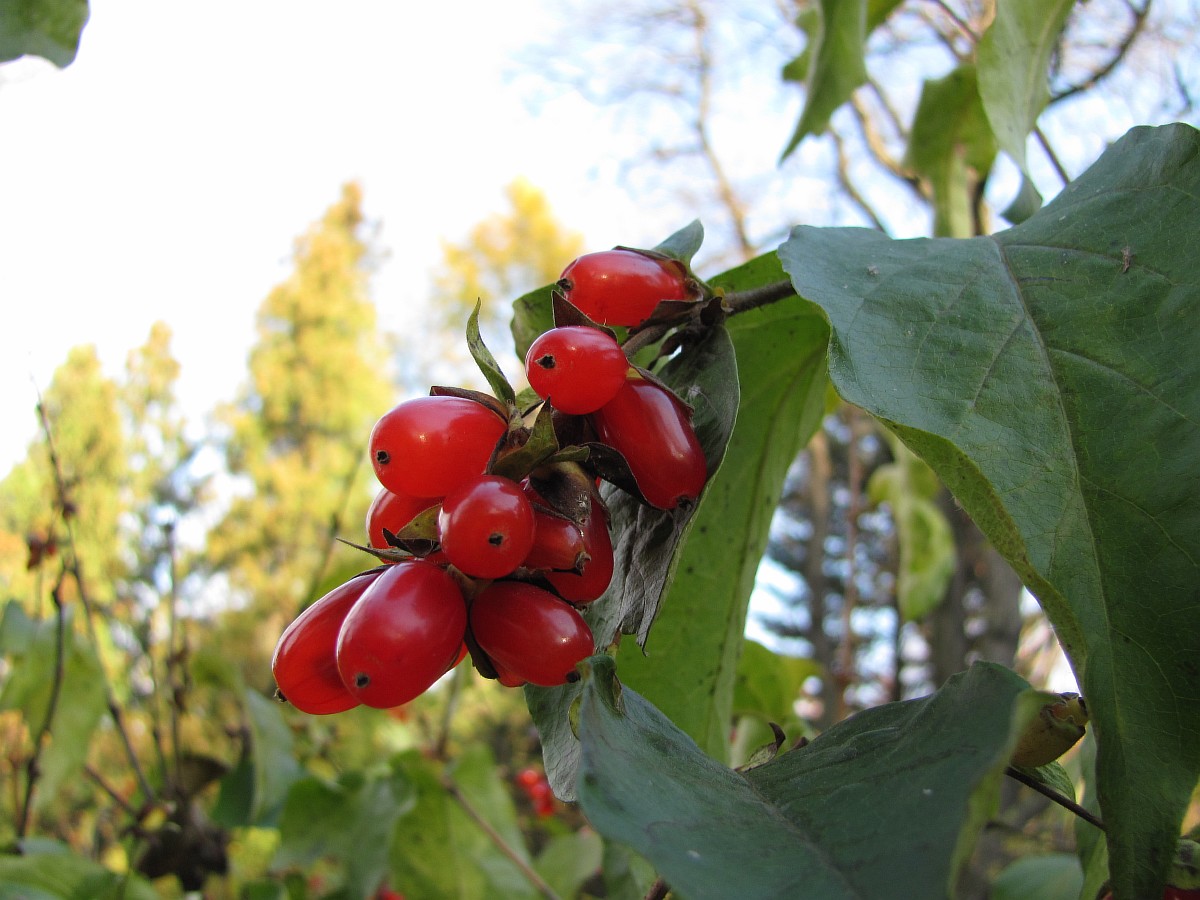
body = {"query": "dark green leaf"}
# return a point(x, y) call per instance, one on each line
point(46, 28)
point(833, 819)
point(837, 66)
point(1049, 375)
point(1053, 776)
point(691, 660)
point(487, 363)
point(349, 821)
point(533, 316)
point(1014, 63)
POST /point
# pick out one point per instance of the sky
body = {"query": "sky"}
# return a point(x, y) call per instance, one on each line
point(166, 173)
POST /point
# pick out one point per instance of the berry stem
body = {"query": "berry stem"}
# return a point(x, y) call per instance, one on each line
point(1049, 792)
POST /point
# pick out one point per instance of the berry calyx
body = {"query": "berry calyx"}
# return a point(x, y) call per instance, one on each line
point(578, 369)
point(391, 512)
point(622, 287)
point(428, 446)
point(591, 583)
point(486, 527)
point(529, 633)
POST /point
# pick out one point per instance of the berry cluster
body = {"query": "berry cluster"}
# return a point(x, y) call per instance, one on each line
point(489, 521)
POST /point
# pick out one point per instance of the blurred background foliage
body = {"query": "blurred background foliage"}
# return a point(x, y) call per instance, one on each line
point(148, 564)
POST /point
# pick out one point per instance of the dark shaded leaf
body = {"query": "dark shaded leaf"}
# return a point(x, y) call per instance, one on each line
point(487, 363)
point(47, 28)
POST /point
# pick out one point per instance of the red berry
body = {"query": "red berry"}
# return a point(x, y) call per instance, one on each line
point(305, 662)
point(428, 446)
point(486, 527)
point(558, 543)
point(527, 778)
point(578, 369)
point(529, 632)
point(593, 580)
point(404, 633)
point(652, 430)
point(622, 287)
point(392, 511)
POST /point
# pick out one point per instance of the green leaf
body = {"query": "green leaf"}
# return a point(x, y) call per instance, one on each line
point(1014, 62)
point(533, 316)
point(65, 876)
point(833, 819)
point(837, 66)
point(46, 28)
point(1054, 876)
point(690, 664)
point(768, 684)
point(1049, 375)
point(1053, 776)
point(487, 363)
point(926, 540)
point(350, 820)
point(569, 860)
point(684, 243)
point(80, 704)
point(274, 765)
point(951, 146)
point(439, 851)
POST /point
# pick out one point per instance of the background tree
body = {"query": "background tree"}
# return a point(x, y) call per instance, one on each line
point(296, 436)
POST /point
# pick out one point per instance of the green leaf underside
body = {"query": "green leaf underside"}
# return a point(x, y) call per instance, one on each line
point(274, 767)
point(1013, 60)
point(833, 819)
point(1049, 375)
point(691, 659)
point(684, 243)
point(486, 362)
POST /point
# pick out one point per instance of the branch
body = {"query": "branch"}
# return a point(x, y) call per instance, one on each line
point(32, 766)
point(1098, 75)
point(1044, 790)
point(847, 184)
point(501, 844)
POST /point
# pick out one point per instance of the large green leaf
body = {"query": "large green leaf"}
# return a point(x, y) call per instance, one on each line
point(836, 68)
point(46, 28)
point(691, 660)
point(1049, 374)
point(273, 765)
point(833, 819)
point(1014, 61)
point(350, 821)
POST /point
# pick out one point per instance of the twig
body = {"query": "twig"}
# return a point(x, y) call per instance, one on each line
point(76, 569)
point(1044, 143)
point(658, 890)
point(33, 765)
point(1049, 792)
point(501, 844)
point(1098, 75)
point(462, 675)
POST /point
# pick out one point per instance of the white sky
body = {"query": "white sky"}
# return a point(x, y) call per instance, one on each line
point(166, 173)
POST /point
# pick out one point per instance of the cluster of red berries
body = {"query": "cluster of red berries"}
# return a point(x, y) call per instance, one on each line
point(493, 534)
point(536, 788)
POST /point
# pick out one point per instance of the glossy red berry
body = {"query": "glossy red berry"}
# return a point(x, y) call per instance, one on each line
point(653, 431)
point(622, 287)
point(597, 573)
point(392, 511)
point(402, 635)
point(578, 369)
point(305, 660)
point(428, 446)
point(486, 527)
point(530, 633)
point(558, 543)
